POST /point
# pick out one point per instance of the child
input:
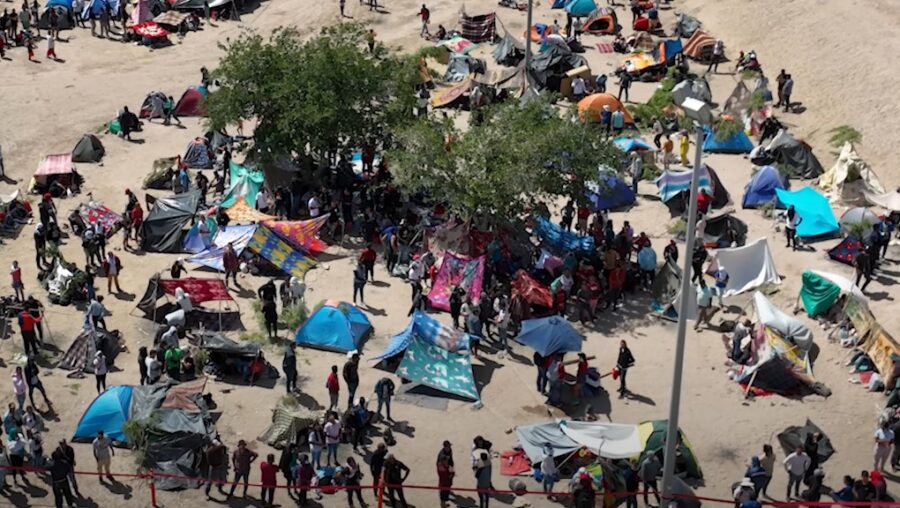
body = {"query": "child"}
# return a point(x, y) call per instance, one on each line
point(51, 48)
point(29, 44)
point(685, 144)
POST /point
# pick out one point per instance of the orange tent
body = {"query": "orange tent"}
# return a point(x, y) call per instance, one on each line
point(602, 22)
point(536, 35)
point(590, 107)
point(700, 46)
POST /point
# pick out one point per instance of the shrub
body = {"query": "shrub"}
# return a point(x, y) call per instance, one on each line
point(843, 134)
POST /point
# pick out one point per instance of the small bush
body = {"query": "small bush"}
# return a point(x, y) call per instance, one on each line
point(678, 227)
point(757, 101)
point(726, 128)
point(293, 316)
point(843, 134)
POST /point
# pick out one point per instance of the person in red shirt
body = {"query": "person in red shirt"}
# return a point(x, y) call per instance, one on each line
point(616, 283)
point(15, 273)
point(642, 241)
point(137, 220)
point(425, 15)
point(334, 388)
point(582, 225)
point(27, 323)
point(703, 202)
point(367, 257)
point(269, 477)
point(445, 480)
point(581, 375)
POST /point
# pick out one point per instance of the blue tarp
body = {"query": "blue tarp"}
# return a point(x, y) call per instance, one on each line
point(336, 326)
point(671, 47)
point(239, 236)
point(550, 335)
point(817, 216)
point(108, 412)
point(632, 145)
point(428, 329)
point(562, 239)
point(195, 242)
point(438, 368)
point(558, 4)
point(738, 143)
point(64, 3)
point(610, 192)
point(761, 187)
point(96, 7)
point(580, 7)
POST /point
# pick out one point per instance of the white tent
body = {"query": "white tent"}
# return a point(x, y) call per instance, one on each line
point(791, 329)
point(610, 440)
point(887, 200)
point(850, 178)
point(748, 267)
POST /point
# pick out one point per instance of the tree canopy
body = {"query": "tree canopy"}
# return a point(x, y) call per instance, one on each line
point(517, 159)
point(315, 95)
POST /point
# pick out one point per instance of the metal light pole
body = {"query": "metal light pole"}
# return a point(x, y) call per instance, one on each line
point(699, 112)
point(528, 47)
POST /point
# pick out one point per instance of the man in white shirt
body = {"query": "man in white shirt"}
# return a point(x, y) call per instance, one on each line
point(103, 452)
point(314, 206)
point(262, 200)
point(332, 437)
point(548, 470)
point(884, 438)
point(796, 465)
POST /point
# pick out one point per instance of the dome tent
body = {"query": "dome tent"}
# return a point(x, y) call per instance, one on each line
point(761, 188)
point(88, 149)
point(335, 326)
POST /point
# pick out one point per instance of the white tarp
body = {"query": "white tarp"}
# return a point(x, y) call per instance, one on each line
point(610, 440)
point(533, 439)
point(748, 267)
point(791, 329)
point(887, 200)
point(846, 285)
point(850, 178)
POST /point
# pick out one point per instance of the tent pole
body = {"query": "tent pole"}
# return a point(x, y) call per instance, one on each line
point(528, 45)
point(687, 292)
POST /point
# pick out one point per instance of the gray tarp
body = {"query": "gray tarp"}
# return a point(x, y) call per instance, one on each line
point(166, 220)
point(461, 66)
point(686, 25)
point(509, 51)
point(177, 420)
point(554, 60)
point(216, 343)
point(176, 454)
point(791, 329)
point(533, 438)
point(146, 399)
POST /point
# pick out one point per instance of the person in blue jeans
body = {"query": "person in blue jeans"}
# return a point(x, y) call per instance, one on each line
point(316, 441)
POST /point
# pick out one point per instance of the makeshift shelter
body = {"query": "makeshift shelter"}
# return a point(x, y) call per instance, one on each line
point(859, 222)
point(550, 335)
point(558, 238)
point(821, 289)
point(795, 155)
point(509, 51)
point(666, 291)
point(789, 328)
point(673, 183)
point(456, 271)
point(108, 412)
point(446, 95)
point(228, 358)
point(687, 26)
point(57, 166)
point(481, 28)
point(761, 188)
point(241, 213)
point(778, 365)
point(813, 208)
point(692, 88)
point(288, 424)
point(630, 144)
point(163, 227)
point(279, 253)
point(875, 340)
point(245, 183)
point(335, 326)
point(850, 179)
point(238, 236)
point(531, 290)
point(737, 104)
point(602, 21)
point(198, 291)
point(548, 68)
point(80, 355)
point(580, 8)
point(300, 234)
point(607, 440)
point(200, 237)
point(590, 108)
point(171, 18)
point(736, 143)
point(796, 436)
point(678, 203)
point(425, 327)
point(192, 102)
point(653, 437)
point(748, 267)
point(197, 155)
point(609, 192)
point(458, 45)
point(141, 13)
point(724, 230)
point(847, 250)
point(153, 105)
point(88, 149)
point(888, 200)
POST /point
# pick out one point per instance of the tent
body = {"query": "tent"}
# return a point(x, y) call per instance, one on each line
point(531, 290)
point(631, 144)
point(888, 200)
point(153, 105)
point(602, 21)
point(687, 26)
point(462, 271)
point(164, 225)
point(287, 424)
point(821, 289)
point(88, 149)
point(795, 155)
point(694, 88)
point(197, 155)
point(850, 179)
point(748, 267)
point(509, 51)
point(666, 291)
point(609, 191)
point(433, 366)
point(678, 203)
point(580, 8)
point(561, 239)
point(653, 437)
point(671, 183)
point(846, 251)
point(761, 188)
point(789, 328)
point(533, 439)
point(737, 104)
point(666, 50)
point(80, 355)
point(700, 46)
point(238, 236)
point(160, 176)
point(58, 166)
point(778, 366)
point(549, 67)
point(192, 102)
point(108, 412)
point(335, 326)
point(859, 221)
point(300, 234)
point(590, 108)
point(724, 230)
point(424, 327)
point(278, 252)
point(608, 440)
point(200, 236)
point(245, 183)
point(242, 213)
point(481, 28)
point(813, 208)
point(550, 335)
point(795, 437)
point(737, 143)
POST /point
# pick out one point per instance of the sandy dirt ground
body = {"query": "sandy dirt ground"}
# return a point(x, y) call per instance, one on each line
point(841, 79)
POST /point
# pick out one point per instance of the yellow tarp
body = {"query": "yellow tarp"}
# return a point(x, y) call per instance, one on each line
point(241, 213)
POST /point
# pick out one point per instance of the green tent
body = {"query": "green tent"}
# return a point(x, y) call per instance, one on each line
point(818, 293)
point(88, 149)
point(653, 436)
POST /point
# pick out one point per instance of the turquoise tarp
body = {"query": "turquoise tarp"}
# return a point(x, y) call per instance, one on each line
point(438, 368)
point(818, 294)
point(814, 210)
point(245, 182)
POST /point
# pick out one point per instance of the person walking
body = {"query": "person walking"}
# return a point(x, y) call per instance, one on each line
point(697, 259)
point(483, 479)
point(332, 432)
point(334, 388)
point(289, 367)
point(241, 459)
point(19, 387)
point(33, 380)
point(704, 304)
point(395, 473)
point(796, 465)
point(270, 315)
point(648, 471)
point(15, 273)
point(624, 361)
point(350, 373)
point(112, 266)
point(384, 391)
point(60, 469)
point(884, 437)
point(718, 53)
point(51, 49)
point(268, 475)
point(103, 453)
point(376, 465)
point(359, 282)
point(352, 477)
point(624, 86)
point(862, 263)
point(27, 325)
point(425, 16)
point(217, 459)
point(100, 370)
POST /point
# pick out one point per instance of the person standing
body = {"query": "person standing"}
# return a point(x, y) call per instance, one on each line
point(289, 366)
point(704, 304)
point(549, 471)
point(154, 368)
point(19, 387)
point(624, 86)
point(796, 465)
point(884, 437)
point(456, 303)
point(445, 475)
point(27, 324)
point(15, 272)
point(60, 469)
point(231, 264)
point(684, 144)
point(103, 453)
point(631, 485)
point(722, 278)
point(667, 147)
point(425, 16)
point(332, 432)
point(787, 88)
point(40, 245)
point(624, 361)
point(334, 388)
point(32, 379)
point(113, 267)
point(793, 220)
point(395, 473)
point(370, 38)
point(352, 476)
point(767, 461)
point(637, 170)
point(359, 282)
point(305, 474)
point(270, 315)
point(142, 365)
point(648, 472)
point(241, 460)
point(350, 374)
point(100, 370)
point(718, 53)
point(316, 439)
point(863, 265)
point(367, 258)
point(376, 465)
point(384, 391)
point(68, 454)
point(51, 48)
point(617, 119)
point(483, 480)
point(217, 460)
point(268, 472)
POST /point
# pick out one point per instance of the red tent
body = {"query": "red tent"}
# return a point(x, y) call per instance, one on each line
point(191, 103)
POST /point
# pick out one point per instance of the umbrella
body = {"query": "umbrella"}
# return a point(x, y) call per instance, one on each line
point(550, 335)
point(629, 145)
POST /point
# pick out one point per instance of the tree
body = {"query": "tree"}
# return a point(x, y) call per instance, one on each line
point(516, 160)
point(314, 96)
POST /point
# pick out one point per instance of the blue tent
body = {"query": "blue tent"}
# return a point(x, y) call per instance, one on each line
point(336, 326)
point(550, 335)
point(817, 216)
point(761, 187)
point(628, 145)
point(64, 3)
point(738, 143)
point(580, 7)
point(558, 4)
point(609, 192)
point(430, 330)
point(108, 412)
